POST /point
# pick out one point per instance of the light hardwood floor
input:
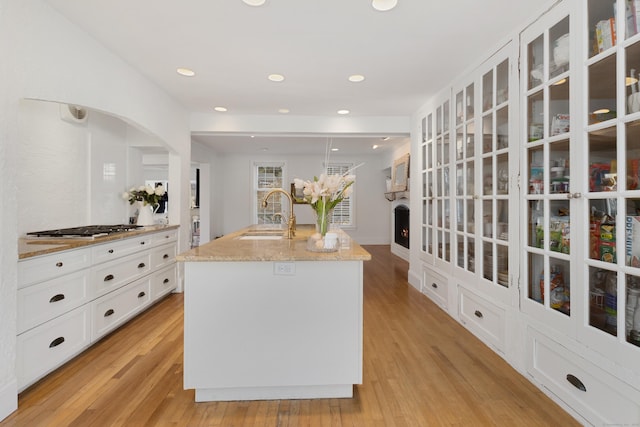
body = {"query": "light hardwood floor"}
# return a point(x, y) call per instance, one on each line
point(421, 368)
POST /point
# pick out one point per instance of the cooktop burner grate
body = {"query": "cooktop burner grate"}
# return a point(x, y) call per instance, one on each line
point(85, 231)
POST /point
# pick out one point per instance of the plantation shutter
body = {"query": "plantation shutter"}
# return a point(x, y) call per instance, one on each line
point(343, 212)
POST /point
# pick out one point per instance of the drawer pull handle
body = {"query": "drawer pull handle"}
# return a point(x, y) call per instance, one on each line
point(108, 277)
point(56, 298)
point(110, 251)
point(56, 342)
point(434, 285)
point(141, 265)
point(165, 256)
point(574, 381)
point(142, 243)
point(141, 294)
point(109, 312)
point(478, 314)
point(165, 281)
point(59, 264)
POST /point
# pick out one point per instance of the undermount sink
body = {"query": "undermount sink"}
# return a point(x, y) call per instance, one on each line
point(260, 237)
point(263, 234)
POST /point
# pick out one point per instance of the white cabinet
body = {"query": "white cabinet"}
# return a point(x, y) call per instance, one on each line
point(68, 300)
point(485, 319)
point(436, 287)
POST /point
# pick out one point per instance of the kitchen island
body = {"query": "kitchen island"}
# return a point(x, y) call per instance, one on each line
point(264, 318)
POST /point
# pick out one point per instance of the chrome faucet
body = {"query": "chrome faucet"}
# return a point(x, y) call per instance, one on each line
point(291, 222)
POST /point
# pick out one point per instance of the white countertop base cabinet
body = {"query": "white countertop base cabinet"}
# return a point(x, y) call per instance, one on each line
point(253, 333)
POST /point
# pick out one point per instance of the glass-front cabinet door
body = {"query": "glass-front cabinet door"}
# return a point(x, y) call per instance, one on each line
point(546, 172)
point(442, 186)
point(465, 224)
point(611, 220)
point(485, 176)
point(427, 190)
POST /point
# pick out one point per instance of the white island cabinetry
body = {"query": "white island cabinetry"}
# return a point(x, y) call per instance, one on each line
point(278, 322)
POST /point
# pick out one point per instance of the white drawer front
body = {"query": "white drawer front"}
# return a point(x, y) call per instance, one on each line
point(47, 267)
point(114, 274)
point(603, 399)
point(164, 282)
point(44, 348)
point(163, 255)
point(164, 237)
point(46, 300)
point(484, 319)
point(436, 287)
point(119, 248)
point(113, 309)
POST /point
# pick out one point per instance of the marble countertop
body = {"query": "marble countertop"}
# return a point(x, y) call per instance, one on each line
point(30, 247)
point(232, 247)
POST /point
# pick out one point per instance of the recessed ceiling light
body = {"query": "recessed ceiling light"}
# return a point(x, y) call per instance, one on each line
point(560, 82)
point(385, 138)
point(220, 109)
point(187, 72)
point(356, 78)
point(343, 112)
point(602, 111)
point(276, 77)
point(384, 5)
point(254, 2)
point(335, 149)
point(283, 111)
point(630, 81)
point(375, 146)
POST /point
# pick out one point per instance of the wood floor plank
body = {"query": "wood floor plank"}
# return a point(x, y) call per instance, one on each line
point(420, 368)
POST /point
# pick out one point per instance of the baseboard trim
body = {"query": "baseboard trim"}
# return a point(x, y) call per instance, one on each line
point(8, 399)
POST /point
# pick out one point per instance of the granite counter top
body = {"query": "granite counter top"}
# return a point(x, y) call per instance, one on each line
point(232, 248)
point(30, 247)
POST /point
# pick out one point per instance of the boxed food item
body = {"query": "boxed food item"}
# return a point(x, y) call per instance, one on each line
point(608, 252)
point(560, 124)
point(632, 240)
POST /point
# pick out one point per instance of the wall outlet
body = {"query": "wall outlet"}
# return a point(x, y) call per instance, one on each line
point(284, 268)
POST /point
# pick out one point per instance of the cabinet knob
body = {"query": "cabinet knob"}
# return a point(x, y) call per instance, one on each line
point(142, 265)
point(110, 251)
point(141, 294)
point(478, 314)
point(108, 277)
point(434, 285)
point(59, 264)
point(56, 298)
point(574, 381)
point(142, 243)
point(109, 312)
point(56, 342)
point(165, 256)
point(165, 281)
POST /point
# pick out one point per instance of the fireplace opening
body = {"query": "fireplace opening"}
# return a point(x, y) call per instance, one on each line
point(401, 226)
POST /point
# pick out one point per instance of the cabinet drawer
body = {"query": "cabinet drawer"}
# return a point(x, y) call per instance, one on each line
point(163, 255)
point(436, 287)
point(112, 275)
point(596, 395)
point(163, 282)
point(119, 248)
point(164, 237)
point(113, 309)
point(44, 348)
point(44, 301)
point(485, 319)
point(47, 267)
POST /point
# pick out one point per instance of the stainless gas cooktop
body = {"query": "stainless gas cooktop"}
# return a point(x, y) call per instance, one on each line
point(87, 231)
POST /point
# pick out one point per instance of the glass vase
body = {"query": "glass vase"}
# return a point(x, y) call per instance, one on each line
point(323, 219)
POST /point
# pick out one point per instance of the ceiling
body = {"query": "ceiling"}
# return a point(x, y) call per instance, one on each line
point(406, 55)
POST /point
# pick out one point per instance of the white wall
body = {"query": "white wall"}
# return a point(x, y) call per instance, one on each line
point(371, 208)
point(43, 56)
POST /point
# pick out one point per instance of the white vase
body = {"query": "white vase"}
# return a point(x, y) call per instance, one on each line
point(145, 214)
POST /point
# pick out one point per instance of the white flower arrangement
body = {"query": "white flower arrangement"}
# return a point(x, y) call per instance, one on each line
point(146, 194)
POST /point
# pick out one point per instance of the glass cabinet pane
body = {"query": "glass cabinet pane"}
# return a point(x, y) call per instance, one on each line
point(460, 106)
point(502, 128)
point(470, 102)
point(559, 113)
point(535, 119)
point(487, 91)
point(603, 160)
point(633, 155)
point(535, 60)
point(502, 82)
point(559, 48)
point(470, 181)
point(487, 134)
point(601, 25)
point(470, 140)
point(632, 74)
point(602, 90)
point(632, 310)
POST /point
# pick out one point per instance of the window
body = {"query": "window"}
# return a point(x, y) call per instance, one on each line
point(343, 212)
point(267, 177)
